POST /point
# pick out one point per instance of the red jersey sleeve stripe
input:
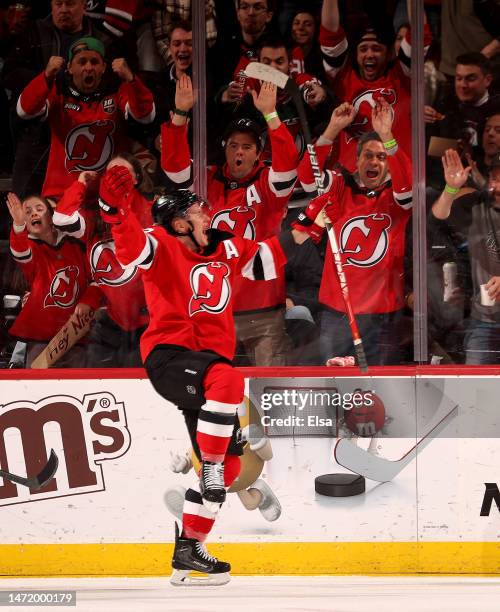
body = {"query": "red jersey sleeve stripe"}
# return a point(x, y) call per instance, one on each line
point(261, 266)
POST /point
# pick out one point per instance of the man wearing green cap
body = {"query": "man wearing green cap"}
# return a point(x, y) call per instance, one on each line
point(28, 56)
point(86, 118)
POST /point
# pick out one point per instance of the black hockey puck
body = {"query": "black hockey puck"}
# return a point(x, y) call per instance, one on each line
point(339, 485)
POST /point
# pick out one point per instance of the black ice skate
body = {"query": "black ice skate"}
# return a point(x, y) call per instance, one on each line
point(212, 488)
point(191, 555)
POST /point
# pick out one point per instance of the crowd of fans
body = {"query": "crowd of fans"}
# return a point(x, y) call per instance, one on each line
point(86, 85)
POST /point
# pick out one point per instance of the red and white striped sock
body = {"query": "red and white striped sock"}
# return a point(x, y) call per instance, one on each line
point(197, 520)
point(224, 388)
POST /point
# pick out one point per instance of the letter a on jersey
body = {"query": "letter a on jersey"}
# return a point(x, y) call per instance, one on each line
point(211, 290)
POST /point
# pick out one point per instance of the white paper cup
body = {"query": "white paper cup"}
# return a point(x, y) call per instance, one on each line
point(11, 301)
point(486, 300)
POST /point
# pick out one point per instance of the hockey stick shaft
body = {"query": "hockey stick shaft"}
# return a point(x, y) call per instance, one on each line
point(268, 73)
point(344, 288)
point(332, 239)
point(40, 480)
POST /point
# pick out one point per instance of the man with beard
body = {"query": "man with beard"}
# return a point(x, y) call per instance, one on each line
point(366, 80)
point(86, 121)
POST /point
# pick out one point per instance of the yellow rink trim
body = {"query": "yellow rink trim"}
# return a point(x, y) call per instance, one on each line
point(305, 558)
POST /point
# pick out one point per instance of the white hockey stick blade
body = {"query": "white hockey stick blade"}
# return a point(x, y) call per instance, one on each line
point(263, 72)
point(376, 468)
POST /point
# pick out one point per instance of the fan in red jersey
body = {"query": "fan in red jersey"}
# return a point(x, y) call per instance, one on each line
point(248, 199)
point(54, 267)
point(86, 120)
point(369, 210)
point(188, 272)
point(368, 79)
point(114, 338)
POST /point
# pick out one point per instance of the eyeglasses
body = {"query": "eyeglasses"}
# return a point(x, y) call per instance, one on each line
point(257, 8)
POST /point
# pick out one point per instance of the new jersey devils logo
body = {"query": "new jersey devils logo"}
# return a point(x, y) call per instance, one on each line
point(210, 285)
point(106, 269)
point(365, 239)
point(63, 290)
point(238, 221)
point(89, 146)
point(363, 105)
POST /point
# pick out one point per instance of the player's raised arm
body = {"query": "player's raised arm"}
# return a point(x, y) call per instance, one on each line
point(133, 245)
point(68, 217)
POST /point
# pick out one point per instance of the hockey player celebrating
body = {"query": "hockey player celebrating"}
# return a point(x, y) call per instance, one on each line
point(249, 199)
point(188, 271)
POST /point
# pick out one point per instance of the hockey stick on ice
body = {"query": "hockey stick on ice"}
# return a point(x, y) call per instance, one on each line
point(365, 464)
point(41, 479)
point(264, 72)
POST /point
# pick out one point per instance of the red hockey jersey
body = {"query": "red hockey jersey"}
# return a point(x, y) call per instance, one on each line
point(370, 230)
point(120, 14)
point(57, 278)
point(85, 130)
point(393, 86)
point(121, 286)
point(189, 295)
point(252, 207)
point(296, 61)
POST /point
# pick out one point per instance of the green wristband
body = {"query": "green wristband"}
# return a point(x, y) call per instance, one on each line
point(270, 116)
point(451, 190)
point(182, 113)
point(390, 144)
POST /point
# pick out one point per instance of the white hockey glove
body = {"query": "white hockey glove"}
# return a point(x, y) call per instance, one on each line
point(180, 463)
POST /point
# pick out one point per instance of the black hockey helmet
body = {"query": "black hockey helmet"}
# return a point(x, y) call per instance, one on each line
point(172, 205)
point(245, 126)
